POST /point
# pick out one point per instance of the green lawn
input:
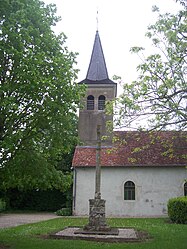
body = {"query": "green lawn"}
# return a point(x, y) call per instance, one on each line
point(165, 235)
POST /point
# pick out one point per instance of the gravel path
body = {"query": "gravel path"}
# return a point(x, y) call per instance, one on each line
point(12, 220)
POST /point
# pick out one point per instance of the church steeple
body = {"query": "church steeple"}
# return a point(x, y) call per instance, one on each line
point(97, 69)
point(100, 89)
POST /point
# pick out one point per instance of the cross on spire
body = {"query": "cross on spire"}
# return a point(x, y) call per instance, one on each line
point(97, 19)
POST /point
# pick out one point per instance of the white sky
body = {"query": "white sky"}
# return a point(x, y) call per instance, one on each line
point(122, 24)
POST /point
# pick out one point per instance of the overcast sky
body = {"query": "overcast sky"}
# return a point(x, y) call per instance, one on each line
point(121, 23)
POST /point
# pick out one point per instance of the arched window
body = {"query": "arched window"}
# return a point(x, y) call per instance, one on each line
point(185, 189)
point(90, 102)
point(129, 191)
point(101, 102)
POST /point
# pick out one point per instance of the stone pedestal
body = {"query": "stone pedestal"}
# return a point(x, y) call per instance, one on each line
point(97, 220)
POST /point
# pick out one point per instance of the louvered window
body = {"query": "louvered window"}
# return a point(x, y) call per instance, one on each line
point(101, 102)
point(90, 102)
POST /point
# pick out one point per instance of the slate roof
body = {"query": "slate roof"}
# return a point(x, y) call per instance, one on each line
point(137, 149)
point(97, 71)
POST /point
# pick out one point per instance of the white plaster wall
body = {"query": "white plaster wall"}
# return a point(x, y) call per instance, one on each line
point(154, 187)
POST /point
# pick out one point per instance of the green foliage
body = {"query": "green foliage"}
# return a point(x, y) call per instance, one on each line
point(159, 94)
point(38, 97)
point(49, 200)
point(63, 212)
point(2, 205)
point(177, 210)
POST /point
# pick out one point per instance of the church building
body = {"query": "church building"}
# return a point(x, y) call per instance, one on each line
point(140, 171)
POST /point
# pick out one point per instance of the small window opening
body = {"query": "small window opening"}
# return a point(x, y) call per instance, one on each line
point(90, 102)
point(129, 191)
point(101, 102)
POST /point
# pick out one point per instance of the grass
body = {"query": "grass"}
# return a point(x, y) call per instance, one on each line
point(165, 235)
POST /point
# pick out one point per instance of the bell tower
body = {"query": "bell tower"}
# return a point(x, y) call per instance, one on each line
point(99, 90)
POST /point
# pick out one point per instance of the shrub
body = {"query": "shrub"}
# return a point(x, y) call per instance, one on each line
point(49, 200)
point(177, 209)
point(63, 212)
point(2, 205)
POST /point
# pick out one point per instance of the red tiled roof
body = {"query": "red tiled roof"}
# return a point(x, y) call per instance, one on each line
point(166, 148)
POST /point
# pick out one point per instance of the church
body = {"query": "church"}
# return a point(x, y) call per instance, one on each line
point(140, 171)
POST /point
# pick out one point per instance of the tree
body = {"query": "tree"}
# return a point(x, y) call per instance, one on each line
point(183, 2)
point(160, 92)
point(38, 96)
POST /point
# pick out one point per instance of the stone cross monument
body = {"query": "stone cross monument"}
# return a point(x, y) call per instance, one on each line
point(97, 220)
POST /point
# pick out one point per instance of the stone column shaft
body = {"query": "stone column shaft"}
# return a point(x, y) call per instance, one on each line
point(98, 165)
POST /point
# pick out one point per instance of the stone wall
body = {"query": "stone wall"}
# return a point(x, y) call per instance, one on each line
point(153, 187)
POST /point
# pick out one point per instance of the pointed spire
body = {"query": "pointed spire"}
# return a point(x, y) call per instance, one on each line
point(97, 69)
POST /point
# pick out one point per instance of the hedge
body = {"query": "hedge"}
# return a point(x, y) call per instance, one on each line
point(64, 212)
point(2, 205)
point(177, 209)
point(50, 200)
